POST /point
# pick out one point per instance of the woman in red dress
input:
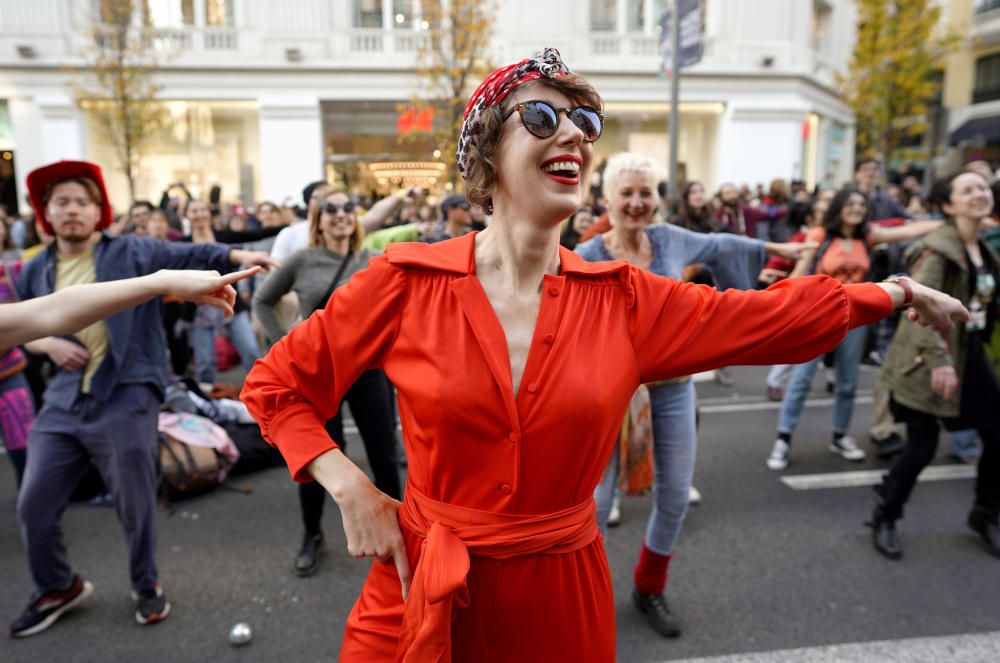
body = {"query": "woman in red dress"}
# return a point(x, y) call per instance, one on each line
point(514, 360)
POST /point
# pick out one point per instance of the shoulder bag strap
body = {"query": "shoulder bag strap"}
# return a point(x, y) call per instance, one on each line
point(333, 284)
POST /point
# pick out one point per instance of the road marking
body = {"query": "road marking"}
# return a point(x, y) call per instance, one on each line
point(964, 648)
point(872, 477)
point(753, 406)
point(735, 398)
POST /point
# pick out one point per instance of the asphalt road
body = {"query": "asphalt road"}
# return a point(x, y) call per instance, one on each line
point(760, 567)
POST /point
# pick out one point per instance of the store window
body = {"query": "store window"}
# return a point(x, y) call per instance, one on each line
point(203, 144)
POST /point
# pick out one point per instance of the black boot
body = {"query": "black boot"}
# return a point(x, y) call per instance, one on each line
point(884, 536)
point(654, 606)
point(307, 561)
point(984, 522)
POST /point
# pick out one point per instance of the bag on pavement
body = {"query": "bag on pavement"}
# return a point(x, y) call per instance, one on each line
point(195, 454)
point(187, 470)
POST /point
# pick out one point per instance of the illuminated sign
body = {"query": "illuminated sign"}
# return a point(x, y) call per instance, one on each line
point(412, 119)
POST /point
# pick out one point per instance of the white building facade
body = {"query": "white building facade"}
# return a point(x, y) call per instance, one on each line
point(265, 96)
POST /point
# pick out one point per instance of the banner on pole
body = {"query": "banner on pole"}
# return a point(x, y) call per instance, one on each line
point(691, 46)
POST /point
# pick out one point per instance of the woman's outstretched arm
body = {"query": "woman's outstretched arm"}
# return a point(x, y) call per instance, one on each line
point(681, 328)
point(79, 306)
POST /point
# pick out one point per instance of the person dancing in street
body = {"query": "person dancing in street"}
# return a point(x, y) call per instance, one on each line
point(507, 431)
point(844, 244)
point(629, 185)
point(101, 407)
point(313, 274)
point(950, 380)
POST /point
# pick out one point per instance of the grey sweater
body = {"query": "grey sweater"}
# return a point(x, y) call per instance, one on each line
point(307, 273)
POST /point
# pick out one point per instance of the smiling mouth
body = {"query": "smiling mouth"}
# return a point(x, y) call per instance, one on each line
point(563, 171)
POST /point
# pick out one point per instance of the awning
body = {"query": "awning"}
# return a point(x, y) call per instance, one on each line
point(985, 129)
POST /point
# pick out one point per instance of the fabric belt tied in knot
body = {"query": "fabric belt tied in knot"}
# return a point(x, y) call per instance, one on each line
point(451, 533)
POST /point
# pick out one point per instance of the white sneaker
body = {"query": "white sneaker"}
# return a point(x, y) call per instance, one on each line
point(694, 496)
point(615, 515)
point(778, 460)
point(847, 448)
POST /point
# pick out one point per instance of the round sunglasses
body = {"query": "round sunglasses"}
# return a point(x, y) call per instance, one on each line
point(333, 208)
point(541, 119)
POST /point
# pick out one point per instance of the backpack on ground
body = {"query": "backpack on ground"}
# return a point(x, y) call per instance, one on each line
point(187, 470)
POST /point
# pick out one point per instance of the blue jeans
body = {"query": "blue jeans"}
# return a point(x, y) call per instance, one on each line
point(203, 345)
point(674, 445)
point(846, 365)
point(778, 375)
point(964, 443)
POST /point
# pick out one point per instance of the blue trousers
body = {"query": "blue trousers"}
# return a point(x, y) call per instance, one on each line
point(674, 445)
point(119, 436)
point(203, 346)
point(846, 367)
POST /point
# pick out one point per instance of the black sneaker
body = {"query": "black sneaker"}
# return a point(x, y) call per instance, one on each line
point(888, 447)
point(987, 525)
point(45, 609)
point(654, 606)
point(151, 605)
point(308, 559)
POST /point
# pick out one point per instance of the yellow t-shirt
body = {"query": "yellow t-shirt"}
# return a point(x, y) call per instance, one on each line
point(81, 269)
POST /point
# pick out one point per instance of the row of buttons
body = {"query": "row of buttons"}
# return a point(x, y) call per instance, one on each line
point(504, 487)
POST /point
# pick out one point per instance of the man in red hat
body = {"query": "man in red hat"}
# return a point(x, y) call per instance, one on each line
point(102, 405)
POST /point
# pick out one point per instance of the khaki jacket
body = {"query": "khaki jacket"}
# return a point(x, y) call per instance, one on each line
point(937, 261)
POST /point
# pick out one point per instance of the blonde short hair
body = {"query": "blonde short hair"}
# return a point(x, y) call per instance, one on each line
point(627, 162)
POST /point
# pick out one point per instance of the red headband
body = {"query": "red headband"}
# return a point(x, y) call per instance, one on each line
point(500, 83)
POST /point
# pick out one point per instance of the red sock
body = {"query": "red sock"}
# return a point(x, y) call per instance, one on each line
point(651, 571)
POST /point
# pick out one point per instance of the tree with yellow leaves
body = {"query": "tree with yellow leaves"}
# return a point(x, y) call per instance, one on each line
point(121, 95)
point(892, 77)
point(451, 60)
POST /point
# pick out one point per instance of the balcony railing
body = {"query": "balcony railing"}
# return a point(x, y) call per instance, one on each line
point(616, 44)
point(385, 42)
point(176, 40)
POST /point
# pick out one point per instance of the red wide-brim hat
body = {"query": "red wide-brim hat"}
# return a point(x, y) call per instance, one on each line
point(41, 178)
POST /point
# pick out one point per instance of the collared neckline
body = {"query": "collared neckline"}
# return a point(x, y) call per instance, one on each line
point(459, 256)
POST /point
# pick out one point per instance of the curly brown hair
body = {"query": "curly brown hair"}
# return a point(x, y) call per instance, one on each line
point(480, 169)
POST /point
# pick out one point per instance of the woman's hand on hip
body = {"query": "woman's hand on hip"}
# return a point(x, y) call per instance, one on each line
point(370, 516)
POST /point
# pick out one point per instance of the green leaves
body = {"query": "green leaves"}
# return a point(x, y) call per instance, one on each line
point(450, 63)
point(892, 78)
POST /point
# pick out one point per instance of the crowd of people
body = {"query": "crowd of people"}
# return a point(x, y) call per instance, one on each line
point(444, 310)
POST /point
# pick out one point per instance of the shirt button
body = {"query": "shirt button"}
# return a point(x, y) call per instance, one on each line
point(504, 488)
point(512, 438)
point(554, 291)
point(533, 387)
point(550, 338)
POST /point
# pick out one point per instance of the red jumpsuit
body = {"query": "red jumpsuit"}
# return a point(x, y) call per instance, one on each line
point(420, 313)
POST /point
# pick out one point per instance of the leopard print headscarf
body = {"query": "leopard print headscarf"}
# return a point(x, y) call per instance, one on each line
point(495, 88)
